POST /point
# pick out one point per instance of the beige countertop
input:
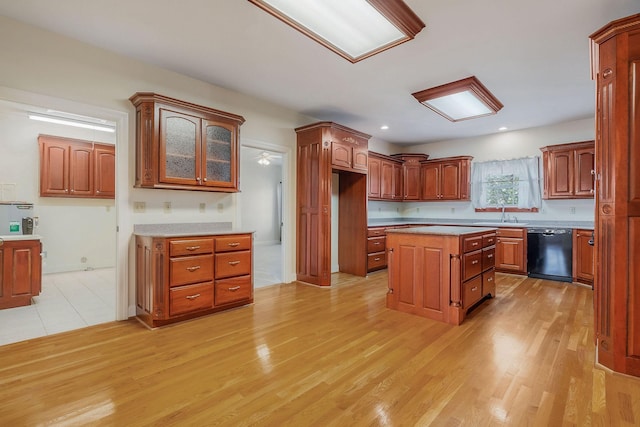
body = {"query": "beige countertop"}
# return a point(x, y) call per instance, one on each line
point(443, 230)
point(13, 237)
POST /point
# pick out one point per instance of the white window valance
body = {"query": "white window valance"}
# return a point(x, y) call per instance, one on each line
point(510, 183)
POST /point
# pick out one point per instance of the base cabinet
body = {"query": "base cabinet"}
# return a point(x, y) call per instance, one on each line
point(186, 277)
point(511, 250)
point(583, 256)
point(20, 272)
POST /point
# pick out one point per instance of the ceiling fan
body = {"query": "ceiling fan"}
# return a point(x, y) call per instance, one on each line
point(265, 158)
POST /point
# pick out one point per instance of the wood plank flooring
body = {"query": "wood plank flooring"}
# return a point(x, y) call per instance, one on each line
point(303, 356)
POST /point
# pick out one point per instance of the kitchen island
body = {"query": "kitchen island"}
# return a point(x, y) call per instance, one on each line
point(440, 272)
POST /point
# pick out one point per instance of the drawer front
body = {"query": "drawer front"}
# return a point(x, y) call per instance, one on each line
point(376, 261)
point(192, 269)
point(472, 243)
point(488, 240)
point(489, 282)
point(471, 292)
point(233, 243)
point(471, 265)
point(375, 232)
point(186, 299)
point(376, 244)
point(511, 232)
point(488, 258)
point(232, 290)
point(190, 247)
point(233, 264)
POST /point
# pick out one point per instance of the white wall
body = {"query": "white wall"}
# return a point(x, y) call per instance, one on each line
point(499, 146)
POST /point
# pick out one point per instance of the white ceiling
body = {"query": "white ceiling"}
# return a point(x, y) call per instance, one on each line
point(532, 55)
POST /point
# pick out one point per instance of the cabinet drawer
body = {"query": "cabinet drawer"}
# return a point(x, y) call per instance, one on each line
point(376, 244)
point(233, 243)
point(190, 247)
point(191, 269)
point(232, 290)
point(376, 261)
point(488, 240)
point(510, 232)
point(471, 292)
point(374, 232)
point(471, 264)
point(489, 282)
point(233, 264)
point(488, 258)
point(186, 299)
point(472, 243)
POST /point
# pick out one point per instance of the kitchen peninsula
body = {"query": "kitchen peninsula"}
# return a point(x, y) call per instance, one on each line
point(440, 272)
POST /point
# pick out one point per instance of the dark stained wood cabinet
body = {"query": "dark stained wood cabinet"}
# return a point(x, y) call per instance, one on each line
point(179, 278)
point(76, 168)
point(583, 256)
point(385, 177)
point(411, 174)
point(511, 250)
point(315, 164)
point(20, 272)
point(616, 69)
point(185, 146)
point(446, 179)
point(568, 170)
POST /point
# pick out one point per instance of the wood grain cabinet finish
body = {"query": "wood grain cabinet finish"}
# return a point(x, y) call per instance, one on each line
point(511, 250)
point(185, 146)
point(186, 277)
point(20, 272)
point(76, 168)
point(376, 248)
point(583, 256)
point(616, 69)
point(411, 185)
point(385, 178)
point(446, 179)
point(316, 147)
point(568, 170)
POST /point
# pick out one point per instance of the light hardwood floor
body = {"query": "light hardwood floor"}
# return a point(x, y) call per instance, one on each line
point(304, 356)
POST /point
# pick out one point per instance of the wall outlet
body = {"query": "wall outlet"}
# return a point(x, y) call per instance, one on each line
point(139, 207)
point(203, 207)
point(220, 207)
point(167, 207)
point(417, 209)
point(572, 210)
point(453, 210)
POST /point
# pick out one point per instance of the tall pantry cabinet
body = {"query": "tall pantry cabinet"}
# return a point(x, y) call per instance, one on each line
point(616, 68)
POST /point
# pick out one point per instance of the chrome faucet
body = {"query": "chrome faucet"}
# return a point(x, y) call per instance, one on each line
point(502, 217)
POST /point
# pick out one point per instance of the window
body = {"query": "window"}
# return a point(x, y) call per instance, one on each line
point(513, 184)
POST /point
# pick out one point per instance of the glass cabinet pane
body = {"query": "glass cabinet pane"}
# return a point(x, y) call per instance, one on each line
point(218, 153)
point(180, 160)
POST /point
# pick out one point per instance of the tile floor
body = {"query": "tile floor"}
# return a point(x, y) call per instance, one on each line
point(82, 298)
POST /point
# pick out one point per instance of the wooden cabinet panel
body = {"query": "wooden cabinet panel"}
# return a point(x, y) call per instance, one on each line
point(374, 178)
point(472, 243)
point(568, 170)
point(488, 258)
point(489, 282)
point(431, 181)
point(385, 177)
point(341, 155)
point(191, 269)
point(376, 261)
point(387, 189)
point(584, 172)
point(105, 171)
point(231, 264)
point(450, 186)
point(54, 167)
point(471, 292)
point(446, 179)
point(509, 254)
point(20, 272)
point(81, 170)
point(232, 290)
point(185, 146)
point(232, 243)
point(190, 247)
point(471, 264)
point(190, 299)
point(583, 256)
point(376, 244)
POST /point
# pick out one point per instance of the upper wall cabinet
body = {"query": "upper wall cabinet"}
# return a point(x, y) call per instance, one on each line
point(568, 170)
point(184, 146)
point(411, 174)
point(349, 149)
point(76, 168)
point(385, 177)
point(446, 179)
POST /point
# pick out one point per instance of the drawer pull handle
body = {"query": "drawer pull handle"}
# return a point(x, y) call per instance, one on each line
point(192, 297)
point(192, 248)
point(377, 259)
point(475, 288)
point(474, 244)
point(234, 244)
point(194, 268)
point(474, 262)
point(235, 288)
point(234, 262)
point(490, 256)
point(490, 279)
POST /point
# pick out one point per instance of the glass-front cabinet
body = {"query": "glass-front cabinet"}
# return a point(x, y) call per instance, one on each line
point(185, 146)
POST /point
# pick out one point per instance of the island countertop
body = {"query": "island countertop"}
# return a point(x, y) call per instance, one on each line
point(442, 230)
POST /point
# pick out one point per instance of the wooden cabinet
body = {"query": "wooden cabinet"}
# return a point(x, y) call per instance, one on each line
point(185, 277)
point(511, 250)
point(385, 177)
point(446, 179)
point(583, 256)
point(315, 164)
point(376, 248)
point(350, 154)
point(184, 146)
point(374, 177)
point(20, 272)
point(76, 168)
point(411, 174)
point(616, 68)
point(568, 170)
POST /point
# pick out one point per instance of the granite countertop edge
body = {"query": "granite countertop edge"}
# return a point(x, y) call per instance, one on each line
point(16, 237)
point(443, 230)
point(387, 222)
point(188, 229)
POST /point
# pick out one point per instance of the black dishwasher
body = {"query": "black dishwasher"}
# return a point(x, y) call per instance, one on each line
point(549, 253)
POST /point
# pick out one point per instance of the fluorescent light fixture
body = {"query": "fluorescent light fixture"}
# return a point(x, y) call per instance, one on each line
point(69, 122)
point(354, 29)
point(460, 100)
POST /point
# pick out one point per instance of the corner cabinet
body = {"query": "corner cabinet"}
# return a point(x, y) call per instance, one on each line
point(385, 178)
point(179, 278)
point(184, 146)
point(446, 179)
point(568, 170)
point(616, 69)
point(20, 272)
point(411, 174)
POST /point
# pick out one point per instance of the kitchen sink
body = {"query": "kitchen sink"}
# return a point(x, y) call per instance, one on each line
point(500, 224)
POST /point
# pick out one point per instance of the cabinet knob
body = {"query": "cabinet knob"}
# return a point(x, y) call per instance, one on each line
point(474, 262)
point(197, 178)
point(97, 191)
point(205, 180)
point(475, 288)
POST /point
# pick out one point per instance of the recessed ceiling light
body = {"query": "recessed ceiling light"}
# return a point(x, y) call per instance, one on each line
point(354, 29)
point(460, 100)
point(502, 128)
point(384, 127)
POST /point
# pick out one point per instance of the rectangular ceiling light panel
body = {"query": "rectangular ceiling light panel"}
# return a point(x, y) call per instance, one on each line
point(354, 29)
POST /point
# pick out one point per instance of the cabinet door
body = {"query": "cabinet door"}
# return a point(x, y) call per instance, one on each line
point(341, 155)
point(219, 154)
point(431, 181)
point(105, 170)
point(81, 170)
point(450, 181)
point(561, 173)
point(411, 182)
point(583, 256)
point(584, 166)
point(180, 137)
point(510, 254)
point(54, 167)
point(374, 177)
point(397, 181)
point(386, 180)
point(360, 159)
point(20, 272)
